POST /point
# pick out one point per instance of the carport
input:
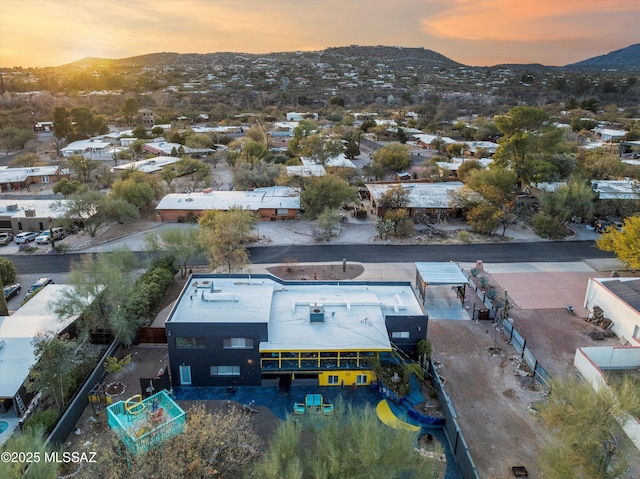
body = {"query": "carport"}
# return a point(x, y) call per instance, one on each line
point(442, 288)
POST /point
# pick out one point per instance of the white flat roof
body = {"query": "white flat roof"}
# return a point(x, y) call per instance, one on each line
point(306, 170)
point(43, 208)
point(149, 165)
point(338, 161)
point(616, 189)
point(354, 313)
point(18, 330)
point(10, 175)
point(421, 195)
point(441, 273)
point(260, 198)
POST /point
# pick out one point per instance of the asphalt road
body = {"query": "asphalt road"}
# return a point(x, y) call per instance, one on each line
point(561, 251)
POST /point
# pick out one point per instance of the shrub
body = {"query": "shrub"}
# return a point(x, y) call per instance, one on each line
point(474, 272)
point(492, 294)
point(484, 282)
point(46, 418)
point(546, 226)
point(464, 236)
point(7, 271)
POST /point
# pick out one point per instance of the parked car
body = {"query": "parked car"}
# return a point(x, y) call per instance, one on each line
point(41, 283)
point(45, 236)
point(5, 238)
point(11, 291)
point(25, 237)
point(602, 225)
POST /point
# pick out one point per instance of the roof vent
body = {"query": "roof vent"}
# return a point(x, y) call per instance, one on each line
point(316, 313)
point(30, 213)
point(12, 207)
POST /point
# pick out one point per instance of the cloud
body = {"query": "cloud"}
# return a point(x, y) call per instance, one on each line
point(524, 21)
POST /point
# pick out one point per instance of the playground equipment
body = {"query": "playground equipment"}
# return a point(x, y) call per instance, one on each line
point(134, 405)
point(144, 423)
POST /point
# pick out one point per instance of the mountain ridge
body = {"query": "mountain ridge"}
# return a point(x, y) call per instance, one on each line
point(624, 58)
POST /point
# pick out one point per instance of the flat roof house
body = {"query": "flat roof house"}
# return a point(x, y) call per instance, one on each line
point(270, 203)
point(17, 356)
point(229, 330)
point(12, 179)
point(423, 198)
point(17, 216)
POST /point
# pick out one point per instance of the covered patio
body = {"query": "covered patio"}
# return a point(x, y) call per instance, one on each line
point(442, 288)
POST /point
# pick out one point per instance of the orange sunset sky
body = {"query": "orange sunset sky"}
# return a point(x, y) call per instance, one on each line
point(479, 32)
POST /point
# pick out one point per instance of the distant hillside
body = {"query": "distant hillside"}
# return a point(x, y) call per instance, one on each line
point(382, 54)
point(624, 59)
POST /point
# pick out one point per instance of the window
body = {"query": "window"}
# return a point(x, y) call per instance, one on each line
point(224, 370)
point(282, 211)
point(400, 335)
point(195, 343)
point(361, 379)
point(332, 379)
point(45, 179)
point(238, 343)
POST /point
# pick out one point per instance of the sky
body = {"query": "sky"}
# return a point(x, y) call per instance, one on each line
point(40, 33)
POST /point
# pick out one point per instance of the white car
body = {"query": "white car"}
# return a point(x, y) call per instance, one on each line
point(45, 236)
point(25, 237)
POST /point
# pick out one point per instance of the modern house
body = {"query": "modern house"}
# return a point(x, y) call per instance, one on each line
point(270, 203)
point(229, 330)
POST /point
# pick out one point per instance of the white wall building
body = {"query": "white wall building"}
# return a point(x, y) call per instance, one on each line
point(619, 298)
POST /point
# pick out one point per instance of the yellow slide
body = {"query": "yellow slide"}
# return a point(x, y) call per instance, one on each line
point(388, 418)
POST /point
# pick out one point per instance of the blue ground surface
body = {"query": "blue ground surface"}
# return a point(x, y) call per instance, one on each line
point(280, 402)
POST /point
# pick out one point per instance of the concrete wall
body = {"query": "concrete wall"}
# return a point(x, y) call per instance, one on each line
point(591, 361)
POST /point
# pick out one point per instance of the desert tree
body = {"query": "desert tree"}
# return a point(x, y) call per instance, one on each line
point(94, 211)
point(391, 158)
point(26, 160)
point(183, 243)
point(321, 192)
point(224, 234)
point(320, 149)
point(328, 223)
point(586, 436)
point(529, 135)
point(100, 291)
point(14, 138)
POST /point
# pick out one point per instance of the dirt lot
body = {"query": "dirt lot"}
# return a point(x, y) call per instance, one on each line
point(489, 385)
